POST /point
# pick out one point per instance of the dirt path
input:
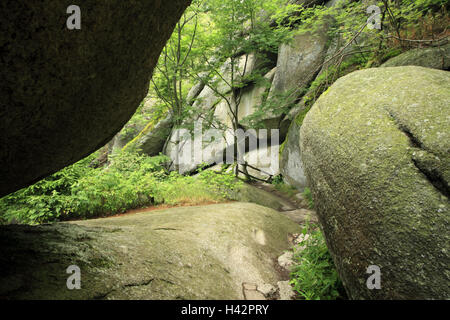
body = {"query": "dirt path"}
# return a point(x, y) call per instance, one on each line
point(290, 203)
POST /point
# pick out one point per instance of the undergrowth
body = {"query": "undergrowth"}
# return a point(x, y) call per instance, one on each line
point(131, 181)
point(314, 276)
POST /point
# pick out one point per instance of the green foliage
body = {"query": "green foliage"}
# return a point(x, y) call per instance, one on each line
point(212, 37)
point(172, 78)
point(281, 186)
point(302, 114)
point(314, 277)
point(220, 183)
point(131, 181)
point(241, 30)
point(128, 183)
point(401, 21)
point(207, 186)
point(308, 196)
point(47, 199)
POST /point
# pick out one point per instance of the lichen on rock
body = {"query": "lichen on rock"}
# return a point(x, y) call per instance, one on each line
point(376, 153)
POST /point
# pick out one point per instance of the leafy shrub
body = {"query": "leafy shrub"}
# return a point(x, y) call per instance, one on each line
point(128, 183)
point(47, 199)
point(281, 186)
point(314, 277)
point(207, 186)
point(131, 181)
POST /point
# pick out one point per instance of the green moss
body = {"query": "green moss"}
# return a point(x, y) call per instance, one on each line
point(434, 57)
point(391, 54)
point(148, 128)
point(283, 145)
point(301, 116)
point(358, 145)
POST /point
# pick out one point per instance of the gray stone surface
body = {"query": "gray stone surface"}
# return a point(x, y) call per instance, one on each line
point(66, 93)
point(299, 61)
point(285, 291)
point(376, 151)
point(152, 138)
point(267, 290)
point(434, 57)
point(286, 260)
point(301, 216)
point(291, 164)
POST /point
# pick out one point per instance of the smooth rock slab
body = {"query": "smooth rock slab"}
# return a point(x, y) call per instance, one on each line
point(182, 253)
point(291, 165)
point(301, 216)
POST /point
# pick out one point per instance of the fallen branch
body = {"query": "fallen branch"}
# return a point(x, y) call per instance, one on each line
point(253, 177)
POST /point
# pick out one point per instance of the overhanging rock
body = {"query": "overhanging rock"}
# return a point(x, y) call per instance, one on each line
point(65, 93)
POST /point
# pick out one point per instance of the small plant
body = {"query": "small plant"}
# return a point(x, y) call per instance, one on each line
point(314, 277)
point(308, 196)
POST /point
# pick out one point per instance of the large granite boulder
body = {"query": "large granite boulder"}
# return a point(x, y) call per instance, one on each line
point(209, 105)
point(186, 253)
point(434, 57)
point(66, 93)
point(376, 150)
point(145, 115)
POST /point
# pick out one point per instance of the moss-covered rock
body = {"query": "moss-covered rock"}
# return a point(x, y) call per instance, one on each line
point(376, 151)
point(435, 57)
point(182, 253)
point(151, 139)
point(66, 93)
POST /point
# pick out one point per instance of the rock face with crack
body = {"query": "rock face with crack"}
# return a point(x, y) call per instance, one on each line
point(298, 62)
point(181, 253)
point(435, 57)
point(376, 151)
point(65, 93)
